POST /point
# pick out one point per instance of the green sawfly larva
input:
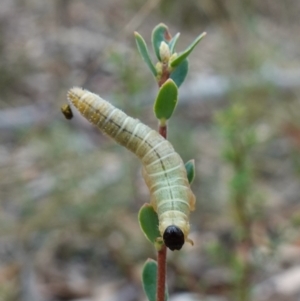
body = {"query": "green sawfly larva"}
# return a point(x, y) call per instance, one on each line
point(163, 169)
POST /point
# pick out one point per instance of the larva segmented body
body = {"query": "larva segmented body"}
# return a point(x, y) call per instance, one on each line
point(163, 169)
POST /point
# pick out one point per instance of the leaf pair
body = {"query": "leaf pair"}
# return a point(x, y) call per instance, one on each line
point(177, 66)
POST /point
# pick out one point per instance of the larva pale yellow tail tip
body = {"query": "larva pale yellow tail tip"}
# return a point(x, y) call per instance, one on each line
point(75, 90)
point(74, 93)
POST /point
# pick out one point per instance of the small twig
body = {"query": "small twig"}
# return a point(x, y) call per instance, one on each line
point(161, 274)
point(162, 254)
point(163, 130)
point(244, 221)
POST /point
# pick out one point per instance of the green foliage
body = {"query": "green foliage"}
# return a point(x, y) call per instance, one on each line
point(239, 135)
point(160, 34)
point(241, 181)
point(183, 55)
point(170, 64)
point(149, 279)
point(190, 170)
point(239, 140)
point(148, 221)
point(218, 252)
point(166, 101)
point(173, 42)
point(170, 71)
point(179, 74)
point(143, 50)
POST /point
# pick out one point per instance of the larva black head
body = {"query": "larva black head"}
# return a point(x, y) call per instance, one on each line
point(173, 238)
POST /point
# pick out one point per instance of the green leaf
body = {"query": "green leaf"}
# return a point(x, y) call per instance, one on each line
point(166, 100)
point(143, 50)
point(160, 33)
point(149, 278)
point(183, 55)
point(149, 222)
point(173, 42)
point(190, 170)
point(180, 73)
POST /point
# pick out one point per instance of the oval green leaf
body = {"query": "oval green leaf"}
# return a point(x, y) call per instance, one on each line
point(143, 50)
point(183, 55)
point(180, 73)
point(166, 100)
point(149, 222)
point(190, 170)
point(149, 278)
point(173, 42)
point(160, 33)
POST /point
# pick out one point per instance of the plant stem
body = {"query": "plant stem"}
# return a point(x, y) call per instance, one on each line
point(163, 130)
point(244, 222)
point(162, 254)
point(161, 274)
point(165, 75)
point(243, 250)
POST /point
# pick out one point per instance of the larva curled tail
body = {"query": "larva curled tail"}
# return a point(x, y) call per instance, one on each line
point(163, 169)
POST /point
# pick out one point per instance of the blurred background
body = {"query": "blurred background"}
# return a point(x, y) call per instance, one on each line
point(70, 196)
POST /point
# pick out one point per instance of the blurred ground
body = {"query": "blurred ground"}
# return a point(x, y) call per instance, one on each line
point(70, 196)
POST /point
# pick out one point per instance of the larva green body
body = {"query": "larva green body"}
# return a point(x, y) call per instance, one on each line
point(163, 169)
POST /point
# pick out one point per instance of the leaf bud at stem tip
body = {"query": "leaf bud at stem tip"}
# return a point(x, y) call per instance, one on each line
point(164, 52)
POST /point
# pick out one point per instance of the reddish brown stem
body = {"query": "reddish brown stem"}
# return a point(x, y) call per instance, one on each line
point(165, 75)
point(162, 254)
point(163, 131)
point(161, 274)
